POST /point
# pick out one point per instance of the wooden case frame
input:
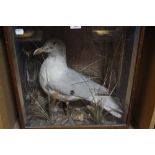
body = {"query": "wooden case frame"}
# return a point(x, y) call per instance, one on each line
point(133, 77)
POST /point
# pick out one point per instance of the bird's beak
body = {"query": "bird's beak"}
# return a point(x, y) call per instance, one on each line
point(38, 51)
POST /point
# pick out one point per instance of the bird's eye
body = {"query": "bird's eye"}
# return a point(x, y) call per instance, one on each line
point(54, 43)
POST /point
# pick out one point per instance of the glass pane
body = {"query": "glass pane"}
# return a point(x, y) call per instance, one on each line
point(74, 75)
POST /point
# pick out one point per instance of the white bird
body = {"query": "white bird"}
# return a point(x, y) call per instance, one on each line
point(65, 84)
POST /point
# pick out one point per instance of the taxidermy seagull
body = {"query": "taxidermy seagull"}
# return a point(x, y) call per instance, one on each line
point(66, 84)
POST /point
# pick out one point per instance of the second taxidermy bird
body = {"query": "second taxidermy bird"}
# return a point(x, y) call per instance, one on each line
point(65, 84)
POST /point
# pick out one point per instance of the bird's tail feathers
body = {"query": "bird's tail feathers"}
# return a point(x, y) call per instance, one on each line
point(109, 104)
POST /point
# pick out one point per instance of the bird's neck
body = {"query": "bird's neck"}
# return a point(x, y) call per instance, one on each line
point(58, 60)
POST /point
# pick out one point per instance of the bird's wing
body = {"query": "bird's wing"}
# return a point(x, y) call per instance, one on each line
point(74, 83)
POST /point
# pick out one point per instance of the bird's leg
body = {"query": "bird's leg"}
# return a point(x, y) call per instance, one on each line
point(51, 105)
point(67, 109)
point(49, 101)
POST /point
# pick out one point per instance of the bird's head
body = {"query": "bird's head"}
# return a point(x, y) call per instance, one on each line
point(53, 47)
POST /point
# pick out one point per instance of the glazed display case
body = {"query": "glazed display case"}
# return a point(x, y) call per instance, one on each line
point(104, 58)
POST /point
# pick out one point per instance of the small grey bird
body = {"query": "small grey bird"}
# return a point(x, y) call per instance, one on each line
point(65, 84)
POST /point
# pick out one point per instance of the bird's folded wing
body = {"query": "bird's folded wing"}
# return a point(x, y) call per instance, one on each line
point(74, 83)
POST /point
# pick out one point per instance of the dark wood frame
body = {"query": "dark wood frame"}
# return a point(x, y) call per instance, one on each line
point(15, 81)
point(143, 110)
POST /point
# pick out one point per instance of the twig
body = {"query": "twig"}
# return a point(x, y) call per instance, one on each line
point(113, 88)
point(43, 112)
point(109, 68)
point(110, 81)
point(106, 76)
point(86, 80)
point(95, 77)
point(90, 64)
